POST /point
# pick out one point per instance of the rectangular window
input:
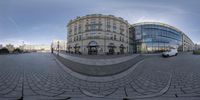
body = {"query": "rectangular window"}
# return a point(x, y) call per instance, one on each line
point(99, 27)
point(108, 26)
point(93, 27)
point(111, 38)
point(114, 27)
point(115, 37)
point(79, 29)
point(75, 30)
point(93, 21)
point(108, 22)
point(80, 37)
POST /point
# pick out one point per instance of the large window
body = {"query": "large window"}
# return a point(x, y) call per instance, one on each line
point(156, 38)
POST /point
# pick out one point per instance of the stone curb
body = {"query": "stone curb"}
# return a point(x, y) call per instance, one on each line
point(97, 61)
point(98, 79)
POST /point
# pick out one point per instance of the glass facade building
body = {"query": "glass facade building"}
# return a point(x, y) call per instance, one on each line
point(155, 37)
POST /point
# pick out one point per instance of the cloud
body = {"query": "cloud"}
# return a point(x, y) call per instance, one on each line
point(14, 23)
point(44, 20)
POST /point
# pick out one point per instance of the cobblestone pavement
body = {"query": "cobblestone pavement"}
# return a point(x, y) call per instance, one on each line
point(39, 76)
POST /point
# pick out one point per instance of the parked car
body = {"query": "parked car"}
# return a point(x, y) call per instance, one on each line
point(171, 52)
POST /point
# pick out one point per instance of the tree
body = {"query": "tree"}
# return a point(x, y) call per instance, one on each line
point(4, 51)
point(17, 50)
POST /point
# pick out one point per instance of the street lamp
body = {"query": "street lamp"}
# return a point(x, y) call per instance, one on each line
point(51, 47)
point(58, 47)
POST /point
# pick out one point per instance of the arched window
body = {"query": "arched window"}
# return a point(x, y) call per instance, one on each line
point(92, 48)
point(76, 45)
point(92, 43)
point(111, 45)
point(121, 46)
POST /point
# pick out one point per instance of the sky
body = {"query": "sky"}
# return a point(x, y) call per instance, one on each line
point(41, 21)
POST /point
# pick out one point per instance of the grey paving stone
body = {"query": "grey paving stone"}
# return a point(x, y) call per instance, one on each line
point(45, 79)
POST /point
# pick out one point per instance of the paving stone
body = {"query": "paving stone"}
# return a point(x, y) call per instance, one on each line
point(43, 78)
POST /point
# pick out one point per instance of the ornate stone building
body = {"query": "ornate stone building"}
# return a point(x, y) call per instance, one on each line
point(98, 34)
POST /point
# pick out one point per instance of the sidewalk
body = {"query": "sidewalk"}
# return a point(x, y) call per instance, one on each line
point(102, 61)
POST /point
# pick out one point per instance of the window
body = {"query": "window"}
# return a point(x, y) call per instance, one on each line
point(93, 27)
point(99, 20)
point(79, 28)
point(111, 38)
point(75, 30)
point(108, 26)
point(114, 27)
point(93, 21)
point(115, 37)
point(99, 27)
point(80, 37)
point(108, 22)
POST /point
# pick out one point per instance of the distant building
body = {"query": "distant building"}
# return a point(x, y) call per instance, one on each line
point(62, 44)
point(188, 44)
point(41, 47)
point(197, 46)
point(10, 47)
point(1, 46)
point(21, 47)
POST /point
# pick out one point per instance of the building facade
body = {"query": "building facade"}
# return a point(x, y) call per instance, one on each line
point(197, 46)
point(188, 45)
point(1, 46)
point(42, 47)
point(154, 37)
point(98, 34)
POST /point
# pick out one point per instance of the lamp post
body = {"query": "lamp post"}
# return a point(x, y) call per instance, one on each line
point(58, 48)
point(51, 47)
point(22, 46)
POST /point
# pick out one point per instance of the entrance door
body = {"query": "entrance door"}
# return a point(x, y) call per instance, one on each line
point(111, 50)
point(77, 50)
point(92, 50)
point(122, 50)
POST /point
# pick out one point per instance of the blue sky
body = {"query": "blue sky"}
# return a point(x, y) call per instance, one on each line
point(41, 21)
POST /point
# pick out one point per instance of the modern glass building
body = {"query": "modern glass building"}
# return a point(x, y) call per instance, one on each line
point(154, 37)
